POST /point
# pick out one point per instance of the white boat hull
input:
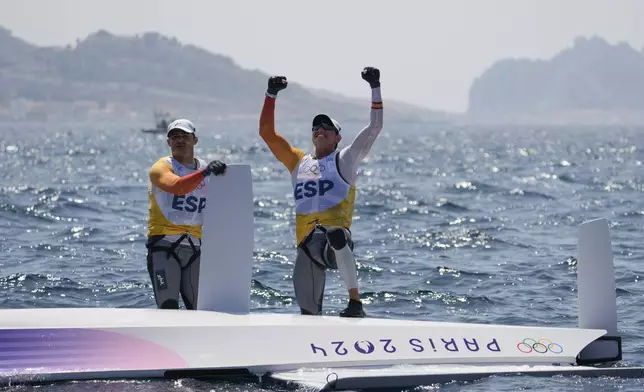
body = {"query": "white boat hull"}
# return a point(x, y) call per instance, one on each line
point(153, 341)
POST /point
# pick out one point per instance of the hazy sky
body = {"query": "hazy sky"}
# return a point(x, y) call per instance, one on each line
point(429, 52)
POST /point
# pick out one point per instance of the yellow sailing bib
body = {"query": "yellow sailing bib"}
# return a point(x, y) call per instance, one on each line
point(177, 214)
point(321, 195)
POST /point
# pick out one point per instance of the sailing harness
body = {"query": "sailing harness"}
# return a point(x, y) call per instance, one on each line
point(153, 246)
point(324, 263)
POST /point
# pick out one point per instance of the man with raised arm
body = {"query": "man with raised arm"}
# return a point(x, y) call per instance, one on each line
point(324, 188)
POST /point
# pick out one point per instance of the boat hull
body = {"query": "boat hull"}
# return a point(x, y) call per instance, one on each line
point(150, 342)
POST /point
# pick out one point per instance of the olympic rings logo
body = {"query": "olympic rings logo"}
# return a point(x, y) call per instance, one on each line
point(312, 168)
point(542, 346)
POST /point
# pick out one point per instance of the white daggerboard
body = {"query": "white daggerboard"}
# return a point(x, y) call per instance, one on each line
point(227, 246)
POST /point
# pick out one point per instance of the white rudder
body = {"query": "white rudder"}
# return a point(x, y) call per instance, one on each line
point(226, 266)
point(596, 290)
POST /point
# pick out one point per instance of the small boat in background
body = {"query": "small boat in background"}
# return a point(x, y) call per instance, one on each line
point(161, 120)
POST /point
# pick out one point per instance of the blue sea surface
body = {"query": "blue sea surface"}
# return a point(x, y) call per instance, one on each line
point(459, 224)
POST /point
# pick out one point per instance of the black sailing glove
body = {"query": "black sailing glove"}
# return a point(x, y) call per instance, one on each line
point(215, 167)
point(371, 75)
point(275, 85)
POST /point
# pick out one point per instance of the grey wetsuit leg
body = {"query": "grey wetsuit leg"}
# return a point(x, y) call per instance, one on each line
point(189, 278)
point(341, 245)
point(166, 279)
point(171, 276)
point(309, 275)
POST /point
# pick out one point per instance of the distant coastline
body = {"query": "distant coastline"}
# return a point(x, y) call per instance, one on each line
point(591, 82)
point(106, 77)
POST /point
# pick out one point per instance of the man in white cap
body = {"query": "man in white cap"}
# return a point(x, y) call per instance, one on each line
point(324, 192)
point(177, 198)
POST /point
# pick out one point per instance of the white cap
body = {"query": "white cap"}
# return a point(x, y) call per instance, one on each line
point(182, 124)
point(323, 118)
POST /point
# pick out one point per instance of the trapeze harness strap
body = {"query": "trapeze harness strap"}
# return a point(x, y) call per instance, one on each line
point(170, 250)
point(304, 245)
point(305, 242)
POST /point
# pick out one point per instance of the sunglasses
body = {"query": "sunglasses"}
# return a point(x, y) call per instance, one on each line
point(326, 127)
point(176, 136)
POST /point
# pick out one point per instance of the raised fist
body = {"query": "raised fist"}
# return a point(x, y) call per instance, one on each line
point(371, 75)
point(215, 167)
point(275, 84)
